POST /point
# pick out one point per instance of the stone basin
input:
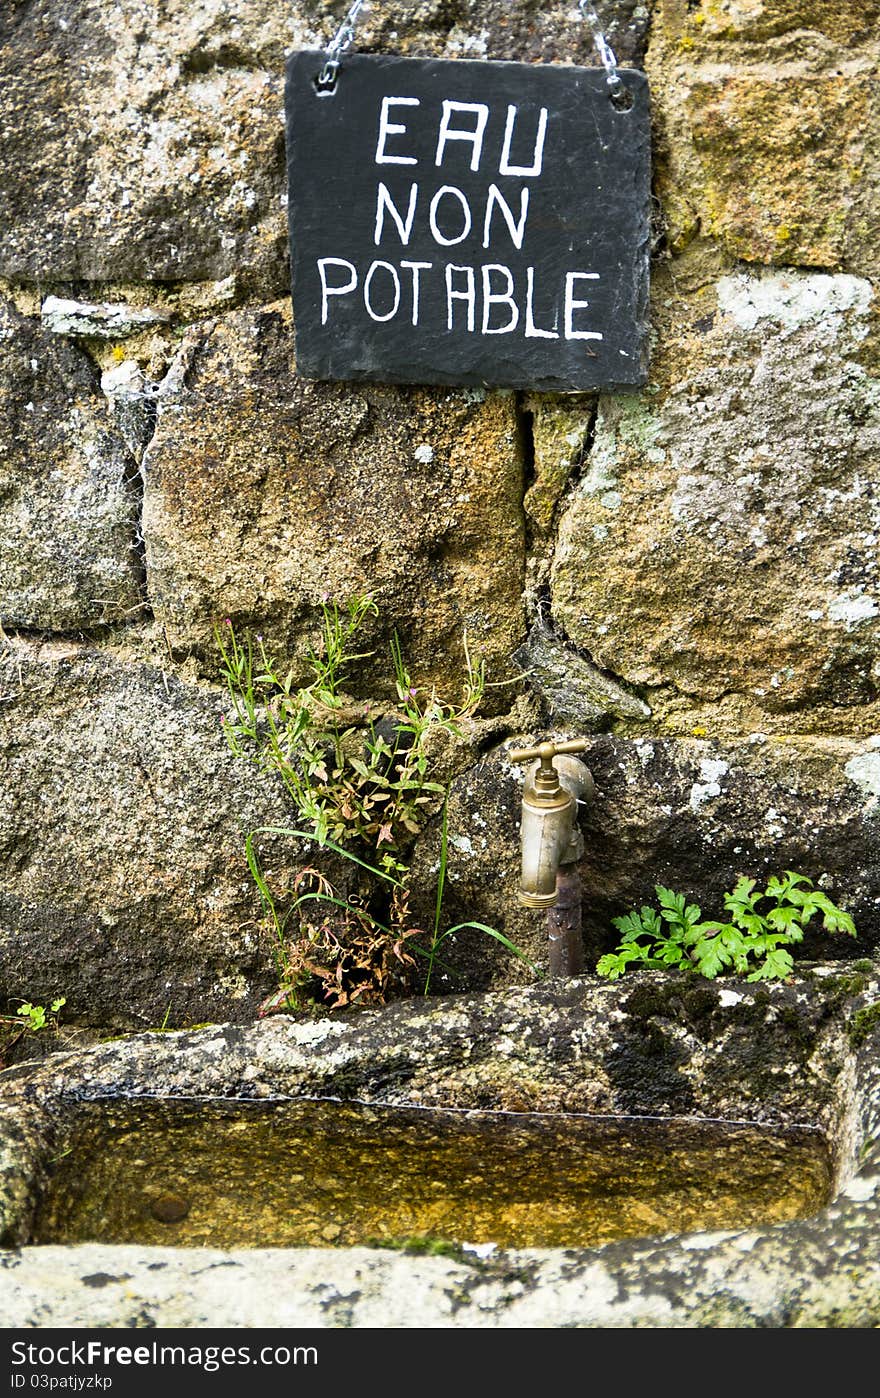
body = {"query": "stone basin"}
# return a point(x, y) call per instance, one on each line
point(727, 1130)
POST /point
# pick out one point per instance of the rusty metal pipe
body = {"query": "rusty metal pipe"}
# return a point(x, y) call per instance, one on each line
point(564, 925)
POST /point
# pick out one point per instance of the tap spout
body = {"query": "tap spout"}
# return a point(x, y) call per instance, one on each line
point(545, 833)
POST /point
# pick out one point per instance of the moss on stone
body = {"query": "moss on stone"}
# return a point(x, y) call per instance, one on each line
point(863, 1024)
point(421, 1245)
point(683, 998)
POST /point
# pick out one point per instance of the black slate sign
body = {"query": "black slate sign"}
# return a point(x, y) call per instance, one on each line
point(461, 222)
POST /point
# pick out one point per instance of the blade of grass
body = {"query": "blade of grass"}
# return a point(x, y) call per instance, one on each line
point(339, 903)
point(312, 838)
point(263, 888)
point(498, 937)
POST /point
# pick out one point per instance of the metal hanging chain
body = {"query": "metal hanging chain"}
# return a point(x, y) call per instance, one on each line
point(603, 48)
point(340, 43)
point(344, 38)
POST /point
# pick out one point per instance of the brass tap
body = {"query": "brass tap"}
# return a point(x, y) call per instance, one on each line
point(548, 832)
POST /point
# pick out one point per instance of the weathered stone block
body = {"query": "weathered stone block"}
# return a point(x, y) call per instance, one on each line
point(722, 538)
point(69, 493)
point(504, 29)
point(90, 321)
point(561, 428)
point(142, 143)
point(266, 494)
point(700, 26)
point(572, 691)
point(135, 146)
point(765, 120)
point(123, 817)
point(784, 165)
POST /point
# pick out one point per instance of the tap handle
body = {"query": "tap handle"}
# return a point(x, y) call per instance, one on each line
point(546, 752)
point(546, 776)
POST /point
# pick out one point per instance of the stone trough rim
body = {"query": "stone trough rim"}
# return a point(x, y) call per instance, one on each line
point(822, 1271)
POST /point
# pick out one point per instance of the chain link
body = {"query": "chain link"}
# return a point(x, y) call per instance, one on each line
point(342, 41)
point(344, 38)
point(603, 48)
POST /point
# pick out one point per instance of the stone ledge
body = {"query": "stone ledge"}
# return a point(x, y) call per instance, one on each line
point(822, 1271)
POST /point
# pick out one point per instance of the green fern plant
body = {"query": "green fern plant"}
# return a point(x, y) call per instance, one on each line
point(753, 942)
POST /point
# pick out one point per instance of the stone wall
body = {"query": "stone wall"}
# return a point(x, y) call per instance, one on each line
point(686, 573)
